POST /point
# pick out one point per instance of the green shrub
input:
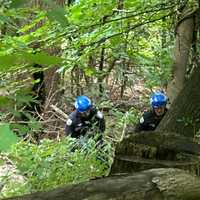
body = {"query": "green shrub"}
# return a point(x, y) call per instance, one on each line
point(55, 163)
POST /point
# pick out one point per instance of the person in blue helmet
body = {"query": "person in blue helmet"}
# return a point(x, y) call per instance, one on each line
point(150, 119)
point(85, 117)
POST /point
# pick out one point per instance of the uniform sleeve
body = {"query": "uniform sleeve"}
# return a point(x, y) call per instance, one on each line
point(68, 127)
point(142, 124)
point(101, 121)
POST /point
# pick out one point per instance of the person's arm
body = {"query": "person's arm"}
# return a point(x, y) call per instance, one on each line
point(101, 121)
point(139, 126)
point(142, 125)
point(68, 127)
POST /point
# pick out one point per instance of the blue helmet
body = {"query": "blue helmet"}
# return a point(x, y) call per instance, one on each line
point(158, 99)
point(82, 103)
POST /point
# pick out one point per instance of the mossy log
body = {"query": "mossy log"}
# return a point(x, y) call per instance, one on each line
point(153, 149)
point(130, 164)
point(154, 184)
point(162, 140)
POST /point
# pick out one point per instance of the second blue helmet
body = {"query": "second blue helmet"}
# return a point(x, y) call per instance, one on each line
point(158, 99)
point(82, 103)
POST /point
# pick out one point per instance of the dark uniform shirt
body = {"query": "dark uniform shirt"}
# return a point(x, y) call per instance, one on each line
point(149, 121)
point(78, 125)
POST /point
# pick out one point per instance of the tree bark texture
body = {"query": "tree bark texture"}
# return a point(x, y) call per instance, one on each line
point(183, 116)
point(101, 67)
point(154, 184)
point(153, 149)
point(184, 39)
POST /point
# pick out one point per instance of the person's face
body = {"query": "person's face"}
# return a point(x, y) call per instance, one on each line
point(159, 110)
point(85, 114)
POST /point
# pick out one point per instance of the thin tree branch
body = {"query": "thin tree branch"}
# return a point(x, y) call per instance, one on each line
point(102, 40)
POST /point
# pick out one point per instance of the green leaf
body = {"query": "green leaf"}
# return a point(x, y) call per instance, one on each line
point(49, 2)
point(89, 71)
point(76, 14)
point(10, 61)
point(42, 58)
point(18, 3)
point(58, 14)
point(21, 129)
point(7, 137)
point(4, 19)
point(5, 101)
point(33, 22)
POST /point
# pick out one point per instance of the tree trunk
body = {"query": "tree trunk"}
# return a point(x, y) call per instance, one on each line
point(154, 184)
point(101, 66)
point(183, 116)
point(184, 39)
point(51, 81)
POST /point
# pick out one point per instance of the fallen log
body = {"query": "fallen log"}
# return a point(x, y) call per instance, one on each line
point(154, 184)
point(130, 164)
point(161, 140)
point(153, 150)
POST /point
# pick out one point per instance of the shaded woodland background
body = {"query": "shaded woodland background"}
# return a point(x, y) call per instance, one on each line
point(117, 53)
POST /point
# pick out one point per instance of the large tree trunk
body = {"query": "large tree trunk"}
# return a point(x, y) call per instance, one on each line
point(184, 39)
point(183, 116)
point(154, 184)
